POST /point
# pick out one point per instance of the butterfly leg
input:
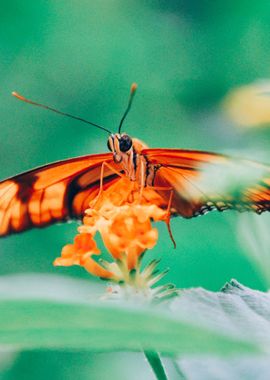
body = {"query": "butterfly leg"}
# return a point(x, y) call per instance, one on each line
point(168, 217)
point(103, 166)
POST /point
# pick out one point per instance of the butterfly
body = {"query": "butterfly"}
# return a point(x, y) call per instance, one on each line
point(190, 182)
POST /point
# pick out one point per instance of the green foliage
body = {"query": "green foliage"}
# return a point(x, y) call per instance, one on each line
point(195, 322)
point(54, 317)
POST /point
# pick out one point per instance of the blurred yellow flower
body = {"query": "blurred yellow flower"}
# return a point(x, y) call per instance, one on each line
point(249, 105)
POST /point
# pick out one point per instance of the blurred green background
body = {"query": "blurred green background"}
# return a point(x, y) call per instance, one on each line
point(81, 57)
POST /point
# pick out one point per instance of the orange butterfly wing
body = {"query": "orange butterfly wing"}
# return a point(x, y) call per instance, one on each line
point(63, 190)
point(52, 193)
point(204, 181)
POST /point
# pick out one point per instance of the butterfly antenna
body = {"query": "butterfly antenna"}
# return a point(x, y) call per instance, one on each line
point(20, 97)
point(133, 89)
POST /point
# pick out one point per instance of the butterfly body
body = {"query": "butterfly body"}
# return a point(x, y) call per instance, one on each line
point(131, 160)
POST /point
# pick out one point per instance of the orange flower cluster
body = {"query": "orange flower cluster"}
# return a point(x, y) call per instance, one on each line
point(122, 215)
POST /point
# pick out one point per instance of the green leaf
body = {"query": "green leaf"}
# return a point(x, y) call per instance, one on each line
point(64, 316)
point(214, 367)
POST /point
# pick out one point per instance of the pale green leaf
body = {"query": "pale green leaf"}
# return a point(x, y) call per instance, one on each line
point(197, 321)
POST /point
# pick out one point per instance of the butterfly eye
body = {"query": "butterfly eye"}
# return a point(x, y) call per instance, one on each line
point(125, 143)
point(109, 145)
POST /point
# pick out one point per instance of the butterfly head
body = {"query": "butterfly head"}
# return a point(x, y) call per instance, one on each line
point(120, 145)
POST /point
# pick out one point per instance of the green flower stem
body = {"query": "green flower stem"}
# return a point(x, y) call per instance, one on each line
point(155, 363)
